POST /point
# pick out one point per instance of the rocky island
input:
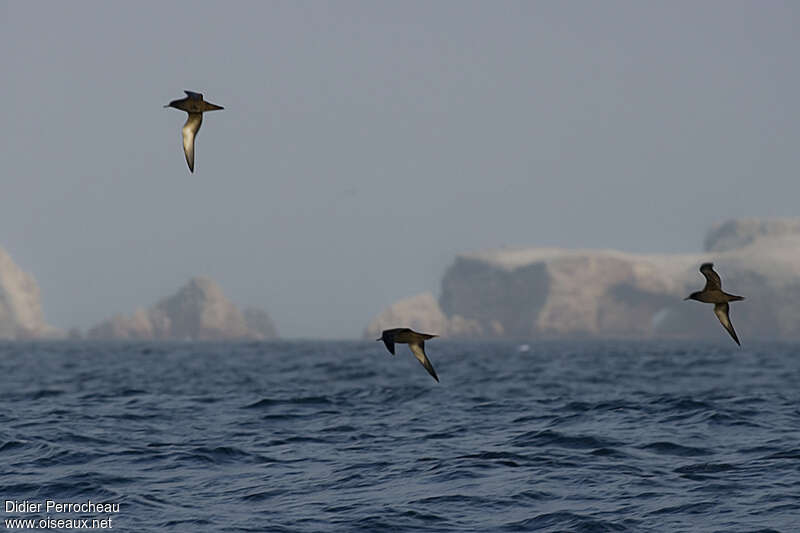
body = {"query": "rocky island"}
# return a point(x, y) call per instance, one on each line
point(530, 293)
point(21, 314)
point(197, 311)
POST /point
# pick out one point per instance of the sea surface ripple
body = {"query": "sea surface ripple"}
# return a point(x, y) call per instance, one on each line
point(341, 436)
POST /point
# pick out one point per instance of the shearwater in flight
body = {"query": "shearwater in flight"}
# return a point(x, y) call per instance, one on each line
point(712, 294)
point(195, 106)
point(415, 341)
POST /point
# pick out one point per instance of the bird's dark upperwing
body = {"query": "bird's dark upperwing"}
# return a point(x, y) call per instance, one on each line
point(194, 95)
point(418, 349)
point(712, 278)
point(722, 312)
point(389, 345)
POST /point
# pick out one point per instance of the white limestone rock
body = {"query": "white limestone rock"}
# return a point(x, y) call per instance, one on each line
point(198, 311)
point(738, 233)
point(560, 293)
point(420, 313)
point(551, 293)
point(21, 314)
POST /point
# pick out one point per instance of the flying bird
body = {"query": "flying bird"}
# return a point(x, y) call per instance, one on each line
point(415, 341)
point(195, 106)
point(712, 294)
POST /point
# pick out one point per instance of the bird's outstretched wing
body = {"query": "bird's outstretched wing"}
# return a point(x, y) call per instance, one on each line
point(190, 129)
point(418, 349)
point(389, 345)
point(722, 312)
point(194, 95)
point(713, 283)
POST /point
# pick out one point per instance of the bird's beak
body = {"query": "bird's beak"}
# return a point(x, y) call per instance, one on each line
point(378, 339)
point(687, 298)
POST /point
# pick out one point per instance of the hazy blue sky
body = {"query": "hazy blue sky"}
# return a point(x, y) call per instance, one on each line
point(364, 144)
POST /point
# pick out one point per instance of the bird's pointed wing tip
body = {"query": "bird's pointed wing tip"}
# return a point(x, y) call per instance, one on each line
point(418, 349)
point(389, 345)
point(722, 310)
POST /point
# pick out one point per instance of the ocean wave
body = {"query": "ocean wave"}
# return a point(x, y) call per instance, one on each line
point(639, 437)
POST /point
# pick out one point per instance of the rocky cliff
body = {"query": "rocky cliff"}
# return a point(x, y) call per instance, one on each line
point(20, 308)
point(555, 293)
point(198, 311)
point(738, 233)
point(422, 313)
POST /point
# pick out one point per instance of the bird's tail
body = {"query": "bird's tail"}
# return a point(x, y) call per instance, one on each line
point(734, 298)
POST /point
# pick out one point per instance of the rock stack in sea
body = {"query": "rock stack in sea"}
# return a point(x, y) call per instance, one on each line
point(197, 311)
point(560, 293)
point(21, 314)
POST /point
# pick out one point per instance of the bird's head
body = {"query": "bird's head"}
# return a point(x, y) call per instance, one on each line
point(172, 104)
point(693, 296)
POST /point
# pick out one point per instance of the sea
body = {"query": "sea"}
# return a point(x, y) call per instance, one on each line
point(285, 436)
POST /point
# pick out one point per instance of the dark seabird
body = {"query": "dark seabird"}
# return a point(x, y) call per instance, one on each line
point(415, 341)
point(712, 294)
point(195, 106)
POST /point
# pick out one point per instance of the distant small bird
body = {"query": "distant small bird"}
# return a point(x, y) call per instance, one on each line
point(712, 294)
point(195, 106)
point(415, 341)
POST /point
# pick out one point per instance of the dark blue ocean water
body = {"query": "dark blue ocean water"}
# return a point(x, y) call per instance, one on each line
point(341, 436)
